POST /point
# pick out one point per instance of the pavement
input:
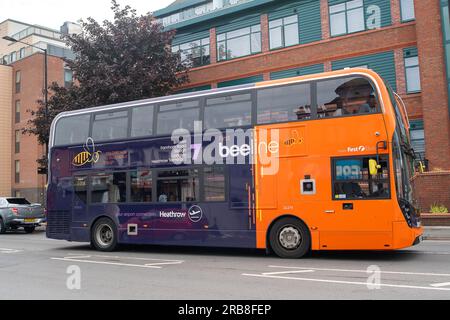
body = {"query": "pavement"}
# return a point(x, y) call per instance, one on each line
point(436, 233)
point(34, 267)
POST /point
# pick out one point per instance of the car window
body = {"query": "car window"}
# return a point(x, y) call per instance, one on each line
point(19, 201)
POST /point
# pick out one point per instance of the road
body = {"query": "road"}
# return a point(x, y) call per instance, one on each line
point(33, 267)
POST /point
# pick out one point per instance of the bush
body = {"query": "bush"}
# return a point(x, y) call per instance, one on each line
point(439, 208)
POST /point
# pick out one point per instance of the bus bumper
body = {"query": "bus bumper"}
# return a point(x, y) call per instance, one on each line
point(404, 236)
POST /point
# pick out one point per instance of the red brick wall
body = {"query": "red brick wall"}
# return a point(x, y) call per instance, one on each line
point(213, 45)
point(395, 12)
point(32, 72)
point(265, 45)
point(434, 83)
point(362, 43)
point(432, 188)
point(325, 19)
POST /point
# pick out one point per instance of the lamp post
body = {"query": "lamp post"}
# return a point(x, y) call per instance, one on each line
point(11, 39)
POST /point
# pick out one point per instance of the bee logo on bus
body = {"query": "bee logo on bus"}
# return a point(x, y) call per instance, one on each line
point(89, 155)
point(294, 140)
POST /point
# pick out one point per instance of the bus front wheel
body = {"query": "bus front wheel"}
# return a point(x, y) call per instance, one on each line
point(104, 235)
point(290, 238)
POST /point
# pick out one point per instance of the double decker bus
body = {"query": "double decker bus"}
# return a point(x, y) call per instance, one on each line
point(319, 162)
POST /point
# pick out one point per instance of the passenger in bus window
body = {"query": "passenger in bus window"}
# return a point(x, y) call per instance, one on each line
point(112, 194)
point(162, 197)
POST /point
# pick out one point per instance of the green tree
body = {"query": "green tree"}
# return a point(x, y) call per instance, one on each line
point(122, 60)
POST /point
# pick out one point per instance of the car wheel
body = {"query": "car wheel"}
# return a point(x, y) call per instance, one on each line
point(104, 235)
point(290, 238)
point(29, 229)
point(2, 227)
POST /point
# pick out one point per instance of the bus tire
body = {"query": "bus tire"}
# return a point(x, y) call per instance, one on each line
point(290, 238)
point(104, 235)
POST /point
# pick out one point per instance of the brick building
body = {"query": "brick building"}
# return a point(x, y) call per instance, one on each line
point(21, 85)
point(407, 42)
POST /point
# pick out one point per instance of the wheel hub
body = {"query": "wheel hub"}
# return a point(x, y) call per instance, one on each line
point(290, 238)
point(104, 235)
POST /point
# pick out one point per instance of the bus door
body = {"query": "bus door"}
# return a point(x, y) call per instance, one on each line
point(360, 213)
point(79, 198)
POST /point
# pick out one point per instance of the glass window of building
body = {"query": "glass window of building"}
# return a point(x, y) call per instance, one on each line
point(286, 103)
point(22, 53)
point(68, 78)
point(13, 56)
point(418, 138)
point(17, 171)
point(110, 126)
point(195, 53)
point(72, 130)
point(17, 111)
point(228, 112)
point(142, 121)
point(18, 135)
point(239, 43)
point(412, 71)
point(347, 17)
point(18, 81)
point(407, 10)
point(284, 32)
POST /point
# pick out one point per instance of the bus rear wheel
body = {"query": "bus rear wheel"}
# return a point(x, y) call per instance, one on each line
point(290, 238)
point(104, 235)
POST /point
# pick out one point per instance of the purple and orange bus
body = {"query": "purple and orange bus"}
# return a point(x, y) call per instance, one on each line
point(320, 162)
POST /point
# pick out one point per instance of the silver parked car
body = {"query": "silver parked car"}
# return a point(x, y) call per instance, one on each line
point(20, 213)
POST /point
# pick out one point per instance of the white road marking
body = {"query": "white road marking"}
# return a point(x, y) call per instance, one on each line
point(438, 285)
point(287, 272)
point(365, 271)
point(152, 265)
point(345, 282)
point(7, 251)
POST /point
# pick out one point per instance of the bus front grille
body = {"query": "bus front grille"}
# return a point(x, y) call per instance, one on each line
point(58, 222)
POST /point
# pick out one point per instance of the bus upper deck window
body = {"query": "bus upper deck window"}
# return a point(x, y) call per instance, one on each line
point(345, 96)
point(72, 130)
point(284, 103)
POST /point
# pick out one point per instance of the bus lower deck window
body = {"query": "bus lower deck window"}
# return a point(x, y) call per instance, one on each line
point(352, 180)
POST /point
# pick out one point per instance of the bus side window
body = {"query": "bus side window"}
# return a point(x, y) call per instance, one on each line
point(108, 188)
point(345, 96)
point(285, 103)
point(80, 189)
point(142, 121)
point(110, 126)
point(179, 115)
point(72, 130)
point(352, 180)
point(178, 186)
point(141, 186)
point(228, 112)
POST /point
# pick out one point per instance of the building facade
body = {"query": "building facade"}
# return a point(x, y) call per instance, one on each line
point(21, 86)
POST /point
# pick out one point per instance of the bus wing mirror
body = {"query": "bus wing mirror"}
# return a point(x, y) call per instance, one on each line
point(373, 167)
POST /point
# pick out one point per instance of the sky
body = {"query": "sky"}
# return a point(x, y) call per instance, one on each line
point(53, 13)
